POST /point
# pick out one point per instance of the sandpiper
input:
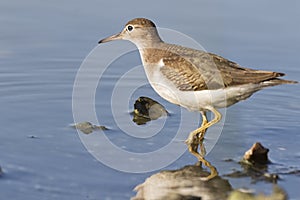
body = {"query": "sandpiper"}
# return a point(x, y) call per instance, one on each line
point(195, 79)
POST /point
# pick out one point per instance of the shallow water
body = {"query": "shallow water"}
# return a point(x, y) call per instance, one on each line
point(42, 47)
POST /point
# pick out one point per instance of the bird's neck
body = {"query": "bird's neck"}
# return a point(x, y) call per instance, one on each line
point(152, 54)
point(149, 43)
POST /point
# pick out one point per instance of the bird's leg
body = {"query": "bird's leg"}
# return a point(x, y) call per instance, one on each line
point(196, 138)
point(202, 133)
point(199, 137)
point(202, 129)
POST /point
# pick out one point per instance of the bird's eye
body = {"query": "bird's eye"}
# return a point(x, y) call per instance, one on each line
point(129, 28)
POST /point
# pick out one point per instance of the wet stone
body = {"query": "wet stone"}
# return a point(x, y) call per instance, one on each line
point(88, 127)
point(257, 154)
point(32, 136)
point(147, 109)
point(184, 183)
point(277, 194)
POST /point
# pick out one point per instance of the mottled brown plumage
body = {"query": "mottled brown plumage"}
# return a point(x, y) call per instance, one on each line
point(191, 74)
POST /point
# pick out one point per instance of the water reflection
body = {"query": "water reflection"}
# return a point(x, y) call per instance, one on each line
point(183, 184)
point(255, 172)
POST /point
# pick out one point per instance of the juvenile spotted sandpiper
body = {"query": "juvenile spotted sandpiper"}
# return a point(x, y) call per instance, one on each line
point(197, 80)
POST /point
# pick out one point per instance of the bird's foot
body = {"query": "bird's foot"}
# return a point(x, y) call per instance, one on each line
point(193, 140)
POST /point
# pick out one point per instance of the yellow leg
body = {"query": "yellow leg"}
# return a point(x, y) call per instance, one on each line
point(196, 138)
point(201, 130)
point(204, 122)
point(202, 133)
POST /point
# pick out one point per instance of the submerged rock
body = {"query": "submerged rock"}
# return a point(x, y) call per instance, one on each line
point(277, 194)
point(183, 184)
point(88, 127)
point(257, 154)
point(32, 136)
point(146, 109)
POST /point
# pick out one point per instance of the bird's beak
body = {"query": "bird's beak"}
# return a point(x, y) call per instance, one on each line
point(111, 38)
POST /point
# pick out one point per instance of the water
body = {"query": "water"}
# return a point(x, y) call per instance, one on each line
point(43, 45)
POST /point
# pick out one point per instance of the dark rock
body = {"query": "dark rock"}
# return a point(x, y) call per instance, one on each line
point(146, 109)
point(257, 154)
point(183, 184)
point(88, 127)
point(277, 194)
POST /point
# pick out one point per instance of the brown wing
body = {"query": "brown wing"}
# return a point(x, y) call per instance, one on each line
point(233, 74)
point(192, 70)
point(183, 74)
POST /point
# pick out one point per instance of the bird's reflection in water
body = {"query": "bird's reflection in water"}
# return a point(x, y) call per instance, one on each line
point(201, 160)
point(183, 184)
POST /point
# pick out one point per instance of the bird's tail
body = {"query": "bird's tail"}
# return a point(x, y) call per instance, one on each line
point(277, 81)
